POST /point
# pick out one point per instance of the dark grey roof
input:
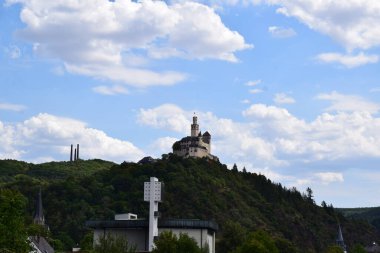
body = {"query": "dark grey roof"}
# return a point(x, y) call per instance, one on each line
point(163, 223)
point(190, 138)
point(373, 248)
point(206, 134)
point(41, 244)
point(147, 159)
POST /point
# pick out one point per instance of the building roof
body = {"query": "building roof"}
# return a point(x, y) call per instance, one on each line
point(373, 248)
point(163, 223)
point(189, 138)
point(41, 244)
point(206, 134)
point(147, 159)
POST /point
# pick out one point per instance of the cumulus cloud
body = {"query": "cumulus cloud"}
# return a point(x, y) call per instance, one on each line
point(348, 103)
point(103, 39)
point(272, 137)
point(51, 136)
point(12, 107)
point(167, 116)
point(349, 61)
point(106, 90)
point(282, 98)
point(281, 32)
point(353, 23)
point(329, 177)
point(162, 145)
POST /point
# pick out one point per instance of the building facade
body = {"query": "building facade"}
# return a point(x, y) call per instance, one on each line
point(136, 230)
point(195, 145)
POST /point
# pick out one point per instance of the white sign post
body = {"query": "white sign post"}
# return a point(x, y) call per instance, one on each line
point(152, 194)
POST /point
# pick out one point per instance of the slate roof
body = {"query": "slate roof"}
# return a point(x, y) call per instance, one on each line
point(40, 243)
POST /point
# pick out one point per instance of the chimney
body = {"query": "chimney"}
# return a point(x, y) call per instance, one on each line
point(71, 153)
point(75, 154)
point(77, 151)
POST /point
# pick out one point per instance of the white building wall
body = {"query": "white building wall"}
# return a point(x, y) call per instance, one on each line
point(139, 237)
point(135, 237)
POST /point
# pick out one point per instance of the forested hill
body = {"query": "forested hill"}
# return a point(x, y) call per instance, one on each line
point(239, 202)
point(370, 214)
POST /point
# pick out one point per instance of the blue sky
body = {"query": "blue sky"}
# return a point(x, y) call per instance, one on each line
point(289, 89)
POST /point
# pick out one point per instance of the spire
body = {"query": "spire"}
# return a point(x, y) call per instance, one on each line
point(339, 240)
point(39, 216)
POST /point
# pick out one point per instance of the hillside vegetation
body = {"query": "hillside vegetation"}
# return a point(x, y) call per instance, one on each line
point(240, 202)
point(369, 214)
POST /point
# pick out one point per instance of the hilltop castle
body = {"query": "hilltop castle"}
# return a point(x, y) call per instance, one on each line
point(195, 145)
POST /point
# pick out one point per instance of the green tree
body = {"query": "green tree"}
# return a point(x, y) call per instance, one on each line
point(233, 235)
point(115, 244)
point(166, 243)
point(169, 243)
point(334, 249)
point(258, 242)
point(285, 246)
point(358, 249)
point(13, 233)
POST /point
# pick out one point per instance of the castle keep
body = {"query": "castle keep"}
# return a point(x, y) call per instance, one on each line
point(195, 145)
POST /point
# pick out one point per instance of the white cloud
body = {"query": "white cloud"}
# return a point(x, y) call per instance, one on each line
point(255, 91)
point(12, 107)
point(167, 116)
point(272, 137)
point(162, 145)
point(281, 32)
point(353, 23)
point(329, 177)
point(245, 101)
point(51, 135)
point(282, 98)
point(106, 90)
point(349, 61)
point(348, 103)
point(253, 83)
point(111, 39)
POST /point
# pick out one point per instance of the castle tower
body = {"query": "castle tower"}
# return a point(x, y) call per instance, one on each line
point(195, 127)
point(340, 241)
point(39, 216)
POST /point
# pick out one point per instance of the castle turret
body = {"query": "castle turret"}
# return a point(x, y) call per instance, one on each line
point(195, 127)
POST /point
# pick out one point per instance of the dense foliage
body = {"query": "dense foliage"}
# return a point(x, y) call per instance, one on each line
point(169, 243)
point(241, 203)
point(370, 214)
point(13, 232)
